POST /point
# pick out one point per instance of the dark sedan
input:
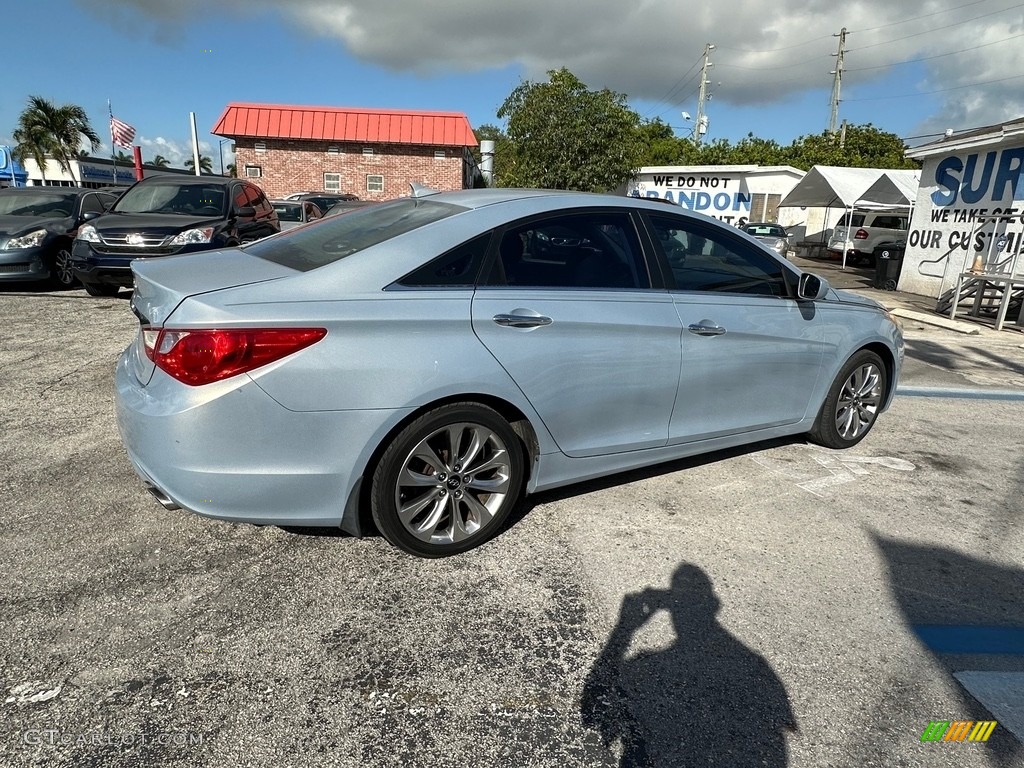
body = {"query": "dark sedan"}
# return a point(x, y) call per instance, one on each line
point(37, 227)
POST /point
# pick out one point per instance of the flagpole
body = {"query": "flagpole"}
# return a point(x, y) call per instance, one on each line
point(113, 157)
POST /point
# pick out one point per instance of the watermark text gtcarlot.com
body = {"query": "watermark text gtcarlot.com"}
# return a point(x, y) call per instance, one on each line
point(51, 737)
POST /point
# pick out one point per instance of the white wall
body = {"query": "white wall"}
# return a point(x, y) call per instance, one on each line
point(947, 232)
point(722, 192)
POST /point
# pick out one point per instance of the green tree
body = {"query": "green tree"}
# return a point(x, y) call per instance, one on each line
point(160, 161)
point(232, 170)
point(123, 157)
point(750, 150)
point(864, 147)
point(205, 164)
point(46, 130)
point(661, 146)
point(562, 135)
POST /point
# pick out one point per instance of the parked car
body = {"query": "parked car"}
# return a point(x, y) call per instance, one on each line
point(422, 363)
point(297, 195)
point(164, 216)
point(292, 213)
point(324, 200)
point(37, 228)
point(861, 233)
point(772, 235)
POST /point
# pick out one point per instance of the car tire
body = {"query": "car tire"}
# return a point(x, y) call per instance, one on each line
point(61, 275)
point(423, 499)
point(100, 289)
point(853, 402)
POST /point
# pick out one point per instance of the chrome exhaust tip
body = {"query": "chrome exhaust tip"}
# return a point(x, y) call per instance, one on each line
point(163, 498)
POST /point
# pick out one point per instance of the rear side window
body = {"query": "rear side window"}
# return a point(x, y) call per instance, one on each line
point(456, 269)
point(340, 236)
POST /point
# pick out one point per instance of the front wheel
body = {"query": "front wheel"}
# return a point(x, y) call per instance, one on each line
point(447, 482)
point(61, 275)
point(853, 402)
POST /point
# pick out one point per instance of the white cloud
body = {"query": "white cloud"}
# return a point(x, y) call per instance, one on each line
point(643, 47)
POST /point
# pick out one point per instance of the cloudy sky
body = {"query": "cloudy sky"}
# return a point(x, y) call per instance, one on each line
point(910, 68)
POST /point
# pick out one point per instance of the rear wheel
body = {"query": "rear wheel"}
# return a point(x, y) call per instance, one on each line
point(853, 402)
point(61, 275)
point(100, 289)
point(448, 481)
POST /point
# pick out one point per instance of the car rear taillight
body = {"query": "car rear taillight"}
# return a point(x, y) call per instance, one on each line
point(861, 235)
point(200, 356)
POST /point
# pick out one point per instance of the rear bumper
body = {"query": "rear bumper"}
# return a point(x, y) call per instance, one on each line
point(229, 451)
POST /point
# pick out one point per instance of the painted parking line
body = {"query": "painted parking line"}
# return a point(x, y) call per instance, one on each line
point(962, 394)
point(972, 639)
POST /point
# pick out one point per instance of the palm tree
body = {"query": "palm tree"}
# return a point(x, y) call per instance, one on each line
point(44, 129)
point(205, 164)
point(160, 161)
point(124, 158)
point(232, 170)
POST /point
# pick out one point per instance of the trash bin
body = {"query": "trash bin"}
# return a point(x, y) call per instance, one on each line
point(888, 264)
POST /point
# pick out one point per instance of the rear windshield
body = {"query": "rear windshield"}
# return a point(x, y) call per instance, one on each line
point(335, 238)
point(858, 220)
point(288, 212)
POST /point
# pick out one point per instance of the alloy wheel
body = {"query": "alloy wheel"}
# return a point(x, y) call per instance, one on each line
point(859, 401)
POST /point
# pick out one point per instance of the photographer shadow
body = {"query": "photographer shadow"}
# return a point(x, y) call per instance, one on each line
point(706, 700)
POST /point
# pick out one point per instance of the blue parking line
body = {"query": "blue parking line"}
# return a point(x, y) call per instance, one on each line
point(967, 639)
point(963, 394)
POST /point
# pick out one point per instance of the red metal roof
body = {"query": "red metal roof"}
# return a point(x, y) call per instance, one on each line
point(381, 126)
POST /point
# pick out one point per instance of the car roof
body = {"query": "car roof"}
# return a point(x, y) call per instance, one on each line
point(478, 198)
point(288, 202)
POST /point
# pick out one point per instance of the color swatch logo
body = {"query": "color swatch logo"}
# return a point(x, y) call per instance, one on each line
point(958, 730)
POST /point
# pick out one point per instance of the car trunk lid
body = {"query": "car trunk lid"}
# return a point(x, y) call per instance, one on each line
point(162, 284)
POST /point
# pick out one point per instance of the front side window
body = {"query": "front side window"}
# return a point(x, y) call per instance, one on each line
point(704, 259)
point(288, 212)
point(340, 236)
point(593, 250)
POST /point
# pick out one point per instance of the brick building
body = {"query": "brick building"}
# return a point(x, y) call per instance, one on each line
point(366, 152)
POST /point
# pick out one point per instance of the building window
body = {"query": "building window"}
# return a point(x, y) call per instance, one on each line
point(440, 154)
point(367, 150)
point(374, 183)
point(333, 150)
point(332, 182)
point(261, 146)
point(253, 171)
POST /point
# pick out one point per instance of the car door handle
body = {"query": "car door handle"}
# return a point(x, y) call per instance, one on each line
point(515, 320)
point(706, 328)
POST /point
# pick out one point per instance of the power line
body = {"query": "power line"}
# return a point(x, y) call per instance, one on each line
point(917, 18)
point(936, 56)
point(934, 29)
point(940, 90)
point(680, 83)
point(776, 50)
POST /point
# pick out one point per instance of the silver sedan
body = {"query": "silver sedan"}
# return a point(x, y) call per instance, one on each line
point(417, 366)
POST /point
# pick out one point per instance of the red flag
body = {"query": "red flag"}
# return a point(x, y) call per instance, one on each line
point(121, 134)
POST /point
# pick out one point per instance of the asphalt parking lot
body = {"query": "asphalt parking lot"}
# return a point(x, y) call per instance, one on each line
point(766, 606)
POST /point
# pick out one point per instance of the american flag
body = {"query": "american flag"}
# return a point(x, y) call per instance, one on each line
point(121, 134)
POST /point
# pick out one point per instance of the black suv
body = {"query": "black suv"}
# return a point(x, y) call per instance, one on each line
point(37, 226)
point(164, 216)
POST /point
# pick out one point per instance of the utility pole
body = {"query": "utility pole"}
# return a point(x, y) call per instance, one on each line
point(700, 126)
point(837, 82)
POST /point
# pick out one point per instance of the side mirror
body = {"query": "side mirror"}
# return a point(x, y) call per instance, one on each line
point(246, 211)
point(90, 215)
point(811, 287)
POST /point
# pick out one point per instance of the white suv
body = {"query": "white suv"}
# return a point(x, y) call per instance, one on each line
point(866, 231)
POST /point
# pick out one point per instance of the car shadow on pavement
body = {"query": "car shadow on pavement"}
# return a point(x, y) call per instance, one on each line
point(705, 700)
point(644, 473)
point(968, 614)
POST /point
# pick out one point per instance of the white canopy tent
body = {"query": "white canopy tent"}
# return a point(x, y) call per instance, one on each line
point(868, 188)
